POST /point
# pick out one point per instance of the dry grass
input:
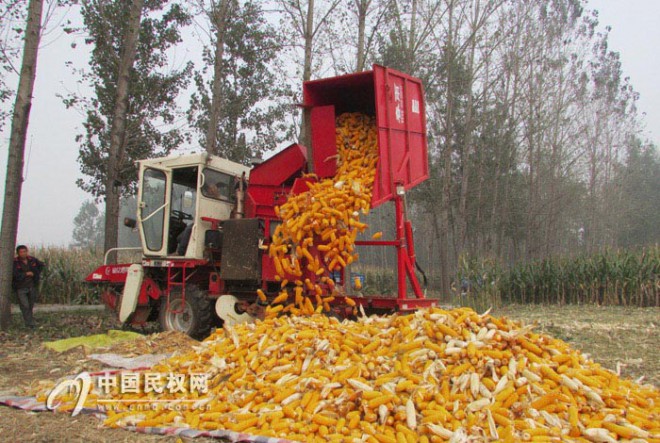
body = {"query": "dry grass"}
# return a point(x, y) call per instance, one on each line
point(24, 362)
point(17, 425)
point(611, 335)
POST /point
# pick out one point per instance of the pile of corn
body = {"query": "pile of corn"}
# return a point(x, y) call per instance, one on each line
point(432, 376)
point(319, 227)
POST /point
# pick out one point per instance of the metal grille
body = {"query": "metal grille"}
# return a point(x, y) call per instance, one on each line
point(241, 256)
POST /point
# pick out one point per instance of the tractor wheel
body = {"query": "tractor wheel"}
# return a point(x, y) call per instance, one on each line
point(191, 316)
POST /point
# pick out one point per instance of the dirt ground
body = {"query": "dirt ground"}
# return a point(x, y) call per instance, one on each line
point(623, 339)
point(619, 338)
point(24, 362)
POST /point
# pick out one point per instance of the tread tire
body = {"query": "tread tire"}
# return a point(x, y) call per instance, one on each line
point(196, 322)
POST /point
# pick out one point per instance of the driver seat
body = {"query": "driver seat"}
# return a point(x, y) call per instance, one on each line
point(176, 228)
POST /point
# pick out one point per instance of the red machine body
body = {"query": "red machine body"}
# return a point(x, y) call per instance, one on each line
point(272, 180)
point(396, 100)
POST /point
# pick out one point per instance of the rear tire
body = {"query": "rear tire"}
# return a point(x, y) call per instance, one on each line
point(193, 318)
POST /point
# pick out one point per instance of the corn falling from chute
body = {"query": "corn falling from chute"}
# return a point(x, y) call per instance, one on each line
point(319, 227)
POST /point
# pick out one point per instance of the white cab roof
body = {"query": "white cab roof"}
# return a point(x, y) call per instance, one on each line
point(198, 159)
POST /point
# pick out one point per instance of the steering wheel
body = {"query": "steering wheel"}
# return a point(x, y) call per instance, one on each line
point(181, 215)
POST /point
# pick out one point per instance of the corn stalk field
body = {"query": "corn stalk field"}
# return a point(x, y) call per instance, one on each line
point(626, 278)
point(607, 278)
point(63, 279)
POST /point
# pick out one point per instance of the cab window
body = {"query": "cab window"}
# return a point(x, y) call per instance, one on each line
point(218, 185)
point(182, 213)
point(184, 183)
point(153, 201)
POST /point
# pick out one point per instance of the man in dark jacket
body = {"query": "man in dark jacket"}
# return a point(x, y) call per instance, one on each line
point(27, 271)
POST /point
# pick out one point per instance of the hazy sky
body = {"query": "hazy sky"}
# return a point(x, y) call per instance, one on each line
point(51, 199)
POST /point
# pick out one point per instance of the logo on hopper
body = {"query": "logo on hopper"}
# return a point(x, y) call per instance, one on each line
point(415, 106)
point(398, 112)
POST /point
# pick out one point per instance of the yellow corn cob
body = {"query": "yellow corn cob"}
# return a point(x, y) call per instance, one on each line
point(365, 380)
point(326, 215)
point(281, 298)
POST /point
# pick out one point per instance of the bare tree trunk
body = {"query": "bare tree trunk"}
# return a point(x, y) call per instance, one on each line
point(309, 39)
point(533, 128)
point(607, 237)
point(532, 208)
point(362, 9)
point(593, 231)
point(438, 225)
point(305, 135)
point(219, 21)
point(14, 178)
point(465, 176)
point(302, 21)
point(495, 211)
point(447, 155)
point(507, 160)
point(412, 37)
point(552, 242)
point(118, 128)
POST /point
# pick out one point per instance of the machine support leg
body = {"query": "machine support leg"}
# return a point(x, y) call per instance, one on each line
point(401, 253)
point(405, 254)
point(417, 289)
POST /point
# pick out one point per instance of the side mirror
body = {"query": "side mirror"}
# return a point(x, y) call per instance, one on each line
point(188, 200)
point(130, 222)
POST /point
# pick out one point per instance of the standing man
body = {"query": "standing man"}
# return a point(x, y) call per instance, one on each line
point(27, 271)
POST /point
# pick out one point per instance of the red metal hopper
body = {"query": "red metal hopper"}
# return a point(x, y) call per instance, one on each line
point(397, 101)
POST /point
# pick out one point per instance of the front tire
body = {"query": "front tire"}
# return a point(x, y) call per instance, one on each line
point(191, 316)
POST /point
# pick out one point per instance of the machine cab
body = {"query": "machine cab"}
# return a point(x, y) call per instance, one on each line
point(182, 198)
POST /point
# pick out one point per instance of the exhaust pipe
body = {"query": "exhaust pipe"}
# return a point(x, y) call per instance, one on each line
point(240, 198)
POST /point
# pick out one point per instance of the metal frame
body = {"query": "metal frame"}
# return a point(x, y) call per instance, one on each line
point(107, 253)
point(171, 283)
point(405, 250)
